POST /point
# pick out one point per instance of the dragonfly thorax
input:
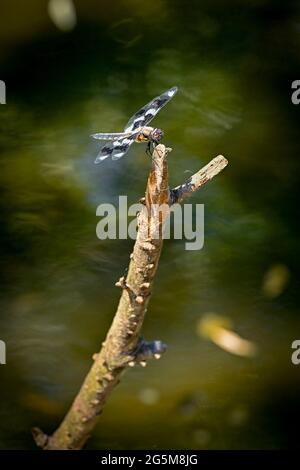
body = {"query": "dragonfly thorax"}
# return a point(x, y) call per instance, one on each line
point(151, 134)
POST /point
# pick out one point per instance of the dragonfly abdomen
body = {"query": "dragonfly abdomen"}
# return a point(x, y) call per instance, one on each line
point(109, 136)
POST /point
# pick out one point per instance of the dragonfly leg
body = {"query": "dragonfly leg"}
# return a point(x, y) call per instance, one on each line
point(148, 149)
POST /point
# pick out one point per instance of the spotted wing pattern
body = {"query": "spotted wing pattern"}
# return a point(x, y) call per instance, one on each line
point(149, 111)
point(116, 148)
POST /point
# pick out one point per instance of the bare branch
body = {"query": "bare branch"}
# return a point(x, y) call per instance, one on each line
point(124, 345)
point(198, 179)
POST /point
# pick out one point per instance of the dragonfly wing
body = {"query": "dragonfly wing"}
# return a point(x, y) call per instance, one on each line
point(109, 136)
point(115, 149)
point(122, 147)
point(142, 117)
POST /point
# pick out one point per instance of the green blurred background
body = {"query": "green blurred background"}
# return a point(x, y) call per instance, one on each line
point(74, 68)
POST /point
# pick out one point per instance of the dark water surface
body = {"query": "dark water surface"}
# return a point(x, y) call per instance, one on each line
point(233, 64)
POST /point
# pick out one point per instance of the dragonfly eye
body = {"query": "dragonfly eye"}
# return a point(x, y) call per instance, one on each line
point(157, 135)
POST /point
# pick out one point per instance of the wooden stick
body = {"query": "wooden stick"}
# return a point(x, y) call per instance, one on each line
point(198, 179)
point(124, 346)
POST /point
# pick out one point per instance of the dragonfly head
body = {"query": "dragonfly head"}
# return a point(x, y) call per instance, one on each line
point(157, 135)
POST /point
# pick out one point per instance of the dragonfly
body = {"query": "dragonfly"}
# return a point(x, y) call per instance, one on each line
point(136, 130)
